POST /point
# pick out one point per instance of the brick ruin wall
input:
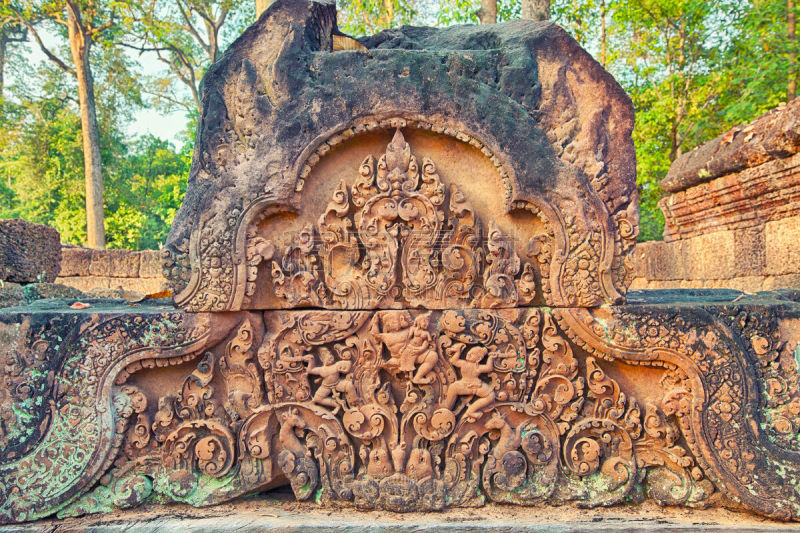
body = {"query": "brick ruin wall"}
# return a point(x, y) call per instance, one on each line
point(732, 219)
point(740, 231)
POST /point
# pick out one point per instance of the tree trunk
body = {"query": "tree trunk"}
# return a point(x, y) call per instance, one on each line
point(3, 43)
point(79, 44)
point(603, 58)
point(791, 88)
point(487, 14)
point(387, 18)
point(536, 9)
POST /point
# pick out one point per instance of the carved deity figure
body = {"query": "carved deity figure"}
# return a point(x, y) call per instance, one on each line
point(470, 383)
point(410, 345)
point(330, 372)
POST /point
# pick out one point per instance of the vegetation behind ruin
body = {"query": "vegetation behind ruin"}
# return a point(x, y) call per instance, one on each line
point(693, 68)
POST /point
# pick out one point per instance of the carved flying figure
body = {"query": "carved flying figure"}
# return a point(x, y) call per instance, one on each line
point(331, 373)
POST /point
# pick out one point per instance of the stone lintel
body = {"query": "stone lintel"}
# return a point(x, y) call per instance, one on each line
point(386, 409)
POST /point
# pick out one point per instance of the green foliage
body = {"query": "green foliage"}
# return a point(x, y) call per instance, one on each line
point(186, 36)
point(41, 167)
point(466, 11)
point(41, 161)
point(148, 186)
point(693, 69)
point(366, 17)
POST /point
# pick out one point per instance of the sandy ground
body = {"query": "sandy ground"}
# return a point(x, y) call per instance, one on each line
point(277, 511)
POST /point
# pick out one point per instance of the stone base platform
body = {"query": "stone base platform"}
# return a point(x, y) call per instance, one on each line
point(278, 512)
point(685, 398)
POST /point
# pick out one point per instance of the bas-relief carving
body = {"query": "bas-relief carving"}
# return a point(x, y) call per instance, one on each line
point(578, 258)
point(409, 409)
point(434, 383)
point(401, 410)
point(399, 359)
point(426, 409)
point(396, 237)
point(558, 137)
point(63, 419)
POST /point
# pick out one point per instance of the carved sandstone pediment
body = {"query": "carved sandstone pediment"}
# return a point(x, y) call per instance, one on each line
point(404, 332)
point(396, 236)
point(544, 127)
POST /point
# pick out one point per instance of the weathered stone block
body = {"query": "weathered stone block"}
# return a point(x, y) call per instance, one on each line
point(90, 283)
point(75, 261)
point(710, 256)
point(750, 257)
point(743, 200)
point(552, 168)
point(773, 135)
point(150, 264)
point(28, 252)
point(11, 294)
point(114, 263)
point(41, 291)
point(660, 260)
point(782, 246)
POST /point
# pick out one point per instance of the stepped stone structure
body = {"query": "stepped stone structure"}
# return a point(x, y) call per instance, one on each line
point(733, 215)
point(399, 280)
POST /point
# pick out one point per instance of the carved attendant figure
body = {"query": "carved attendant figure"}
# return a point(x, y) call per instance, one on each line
point(395, 335)
point(330, 372)
point(422, 348)
point(470, 383)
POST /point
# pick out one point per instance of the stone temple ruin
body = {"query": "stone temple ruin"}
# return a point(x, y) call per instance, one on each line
point(399, 279)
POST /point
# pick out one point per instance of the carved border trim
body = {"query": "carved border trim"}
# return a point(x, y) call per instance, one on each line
point(91, 403)
point(583, 328)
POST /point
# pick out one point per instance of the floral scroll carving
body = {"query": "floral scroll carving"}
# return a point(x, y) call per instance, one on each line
point(402, 410)
point(397, 235)
point(416, 409)
point(60, 386)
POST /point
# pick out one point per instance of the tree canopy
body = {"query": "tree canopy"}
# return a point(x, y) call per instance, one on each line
point(693, 68)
